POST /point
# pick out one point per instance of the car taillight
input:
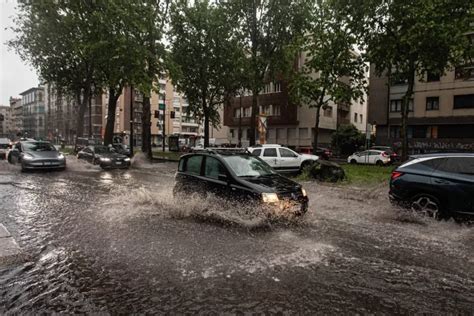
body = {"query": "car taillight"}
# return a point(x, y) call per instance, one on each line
point(384, 154)
point(396, 174)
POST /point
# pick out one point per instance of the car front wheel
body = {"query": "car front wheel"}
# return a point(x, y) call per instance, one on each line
point(426, 205)
point(379, 163)
point(353, 161)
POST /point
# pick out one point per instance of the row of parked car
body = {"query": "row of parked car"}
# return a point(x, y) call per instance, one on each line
point(32, 154)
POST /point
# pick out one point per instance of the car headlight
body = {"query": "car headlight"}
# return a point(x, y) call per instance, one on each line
point(303, 191)
point(270, 197)
point(127, 159)
point(105, 159)
point(61, 156)
point(27, 157)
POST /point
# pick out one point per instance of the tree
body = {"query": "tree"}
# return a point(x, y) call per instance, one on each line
point(332, 70)
point(55, 38)
point(205, 59)
point(410, 39)
point(347, 139)
point(264, 28)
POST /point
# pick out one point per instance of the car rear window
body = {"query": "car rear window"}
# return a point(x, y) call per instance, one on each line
point(460, 165)
point(193, 165)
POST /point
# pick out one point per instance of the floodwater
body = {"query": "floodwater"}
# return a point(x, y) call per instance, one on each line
point(118, 242)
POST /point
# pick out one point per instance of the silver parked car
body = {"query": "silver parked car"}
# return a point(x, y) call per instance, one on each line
point(33, 154)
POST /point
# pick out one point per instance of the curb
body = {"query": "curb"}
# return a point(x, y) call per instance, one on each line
point(165, 159)
point(10, 252)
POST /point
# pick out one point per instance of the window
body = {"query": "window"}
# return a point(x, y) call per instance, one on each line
point(237, 112)
point(430, 76)
point(464, 73)
point(465, 101)
point(396, 106)
point(394, 131)
point(193, 165)
point(213, 168)
point(461, 165)
point(257, 152)
point(361, 117)
point(432, 103)
point(286, 153)
point(270, 152)
point(247, 112)
point(276, 110)
point(328, 112)
point(231, 133)
point(355, 117)
point(432, 132)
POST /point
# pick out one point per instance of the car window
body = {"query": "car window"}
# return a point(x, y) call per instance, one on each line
point(248, 166)
point(213, 168)
point(363, 153)
point(256, 152)
point(181, 165)
point(374, 153)
point(270, 152)
point(38, 146)
point(461, 165)
point(18, 146)
point(193, 165)
point(286, 153)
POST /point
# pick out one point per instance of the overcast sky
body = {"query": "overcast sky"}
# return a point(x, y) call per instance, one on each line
point(15, 75)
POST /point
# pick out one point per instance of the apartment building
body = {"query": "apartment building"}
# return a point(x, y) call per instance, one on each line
point(33, 107)
point(17, 116)
point(441, 113)
point(6, 122)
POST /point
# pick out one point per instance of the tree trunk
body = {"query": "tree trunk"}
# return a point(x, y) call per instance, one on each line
point(316, 130)
point(111, 107)
point(146, 127)
point(405, 110)
point(206, 125)
point(83, 103)
point(253, 117)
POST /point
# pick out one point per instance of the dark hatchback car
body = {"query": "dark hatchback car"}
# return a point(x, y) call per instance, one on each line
point(439, 185)
point(104, 156)
point(122, 149)
point(238, 176)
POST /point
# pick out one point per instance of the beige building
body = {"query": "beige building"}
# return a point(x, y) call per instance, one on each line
point(441, 113)
point(6, 124)
point(17, 115)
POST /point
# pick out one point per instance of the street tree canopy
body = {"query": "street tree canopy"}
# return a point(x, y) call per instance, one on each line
point(205, 59)
point(331, 71)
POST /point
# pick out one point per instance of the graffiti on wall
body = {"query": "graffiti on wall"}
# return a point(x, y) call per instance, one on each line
point(435, 145)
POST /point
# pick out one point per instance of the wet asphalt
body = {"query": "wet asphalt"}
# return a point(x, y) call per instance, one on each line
point(118, 242)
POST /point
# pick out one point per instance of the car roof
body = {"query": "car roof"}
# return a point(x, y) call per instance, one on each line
point(220, 152)
point(442, 155)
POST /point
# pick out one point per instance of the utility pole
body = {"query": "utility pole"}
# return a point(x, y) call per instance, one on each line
point(90, 115)
point(239, 136)
point(131, 121)
point(164, 121)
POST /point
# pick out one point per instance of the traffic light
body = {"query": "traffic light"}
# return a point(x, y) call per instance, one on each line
point(172, 114)
point(157, 114)
point(2, 118)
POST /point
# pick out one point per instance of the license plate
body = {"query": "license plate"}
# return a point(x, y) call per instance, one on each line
point(118, 163)
point(47, 163)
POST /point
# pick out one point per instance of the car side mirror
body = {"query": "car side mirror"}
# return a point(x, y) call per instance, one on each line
point(222, 177)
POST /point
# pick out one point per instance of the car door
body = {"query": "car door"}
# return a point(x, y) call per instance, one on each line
point(270, 156)
point(455, 179)
point(88, 154)
point(193, 179)
point(363, 157)
point(373, 156)
point(288, 159)
point(217, 178)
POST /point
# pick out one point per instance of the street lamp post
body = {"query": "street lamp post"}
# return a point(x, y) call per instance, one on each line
point(164, 121)
point(131, 121)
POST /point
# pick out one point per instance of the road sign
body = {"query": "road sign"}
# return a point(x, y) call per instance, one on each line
point(161, 106)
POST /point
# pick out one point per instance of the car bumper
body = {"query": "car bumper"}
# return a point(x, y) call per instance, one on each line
point(43, 165)
point(286, 207)
point(115, 165)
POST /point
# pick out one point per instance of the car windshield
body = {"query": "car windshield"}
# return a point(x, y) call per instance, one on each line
point(38, 146)
point(102, 150)
point(248, 166)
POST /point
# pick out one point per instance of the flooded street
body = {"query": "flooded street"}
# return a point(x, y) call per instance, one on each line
point(117, 242)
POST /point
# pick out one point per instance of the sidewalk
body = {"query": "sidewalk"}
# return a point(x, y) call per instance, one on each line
point(10, 252)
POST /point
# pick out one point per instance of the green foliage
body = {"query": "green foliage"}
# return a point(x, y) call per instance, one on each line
point(347, 139)
point(367, 175)
point(206, 59)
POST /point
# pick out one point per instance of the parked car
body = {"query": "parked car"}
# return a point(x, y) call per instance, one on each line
point(122, 149)
point(32, 154)
point(324, 153)
point(239, 176)
point(438, 185)
point(281, 158)
point(4, 146)
point(104, 156)
point(371, 157)
point(82, 142)
point(389, 150)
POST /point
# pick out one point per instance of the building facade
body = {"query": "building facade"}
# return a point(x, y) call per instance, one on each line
point(6, 129)
point(441, 113)
point(33, 108)
point(17, 116)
